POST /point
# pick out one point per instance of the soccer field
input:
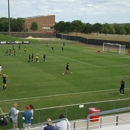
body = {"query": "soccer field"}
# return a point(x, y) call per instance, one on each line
point(95, 76)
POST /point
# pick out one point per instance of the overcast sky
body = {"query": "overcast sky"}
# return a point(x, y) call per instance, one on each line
point(92, 11)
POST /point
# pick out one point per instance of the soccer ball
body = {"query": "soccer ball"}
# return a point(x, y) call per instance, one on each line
point(63, 73)
point(20, 55)
point(71, 72)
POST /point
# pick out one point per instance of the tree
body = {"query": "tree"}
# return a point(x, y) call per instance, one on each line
point(34, 26)
point(122, 30)
point(97, 27)
point(77, 26)
point(87, 28)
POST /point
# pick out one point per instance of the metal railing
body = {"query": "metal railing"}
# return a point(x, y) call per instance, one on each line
point(73, 111)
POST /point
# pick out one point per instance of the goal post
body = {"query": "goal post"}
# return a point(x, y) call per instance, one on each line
point(114, 47)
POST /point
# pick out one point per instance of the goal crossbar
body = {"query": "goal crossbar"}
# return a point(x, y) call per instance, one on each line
point(120, 48)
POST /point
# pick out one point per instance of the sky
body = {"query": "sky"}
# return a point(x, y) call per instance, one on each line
point(88, 11)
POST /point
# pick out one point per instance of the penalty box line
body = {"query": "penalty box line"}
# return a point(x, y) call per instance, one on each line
point(58, 95)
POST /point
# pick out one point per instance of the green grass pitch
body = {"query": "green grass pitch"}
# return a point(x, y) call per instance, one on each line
point(95, 76)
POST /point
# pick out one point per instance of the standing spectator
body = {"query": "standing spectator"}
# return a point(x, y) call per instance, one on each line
point(44, 57)
point(14, 116)
point(122, 87)
point(0, 69)
point(26, 116)
point(49, 125)
point(32, 109)
point(63, 124)
point(67, 68)
point(4, 81)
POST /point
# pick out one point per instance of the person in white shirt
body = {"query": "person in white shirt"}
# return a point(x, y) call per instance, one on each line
point(32, 109)
point(63, 124)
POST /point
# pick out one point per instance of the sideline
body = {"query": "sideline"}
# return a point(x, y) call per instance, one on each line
point(10, 100)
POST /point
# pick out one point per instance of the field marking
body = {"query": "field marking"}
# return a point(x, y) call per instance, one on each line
point(87, 63)
point(27, 98)
point(75, 60)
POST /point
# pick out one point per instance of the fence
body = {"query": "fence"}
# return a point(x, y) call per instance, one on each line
point(74, 111)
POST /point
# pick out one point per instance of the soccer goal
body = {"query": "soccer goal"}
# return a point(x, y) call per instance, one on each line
point(113, 47)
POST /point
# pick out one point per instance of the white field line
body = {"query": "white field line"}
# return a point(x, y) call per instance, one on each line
point(67, 94)
point(90, 64)
point(75, 60)
point(87, 63)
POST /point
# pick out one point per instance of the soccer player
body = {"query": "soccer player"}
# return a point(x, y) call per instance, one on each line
point(29, 58)
point(19, 47)
point(32, 56)
point(52, 48)
point(6, 53)
point(10, 51)
point(122, 87)
point(44, 57)
point(37, 58)
point(67, 68)
point(4, 81)
point(25, 49)
point(62, 48)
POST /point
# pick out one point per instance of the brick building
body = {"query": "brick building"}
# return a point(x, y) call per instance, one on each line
point(45, 23)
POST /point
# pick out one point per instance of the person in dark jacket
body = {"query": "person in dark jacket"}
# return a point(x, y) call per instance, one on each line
point(122, 87)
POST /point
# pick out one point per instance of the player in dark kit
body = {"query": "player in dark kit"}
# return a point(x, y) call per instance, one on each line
point(52, 48)
point(29, 58)
point(44, 57)
point(62, 48)
point(32, 56)
point(67, 68)
point(4, 81)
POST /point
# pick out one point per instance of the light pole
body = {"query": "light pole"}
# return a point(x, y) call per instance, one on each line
point(9, 16)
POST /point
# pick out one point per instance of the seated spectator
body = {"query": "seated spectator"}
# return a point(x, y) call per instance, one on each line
point(49, 125)
point(63, 124)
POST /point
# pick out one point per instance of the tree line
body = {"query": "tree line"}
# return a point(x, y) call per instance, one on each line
point(79, 26)
point(17, 25)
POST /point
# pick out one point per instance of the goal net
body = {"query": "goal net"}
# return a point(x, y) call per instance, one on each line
point(113, 47)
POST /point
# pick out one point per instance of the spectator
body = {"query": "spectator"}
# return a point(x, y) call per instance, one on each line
point(26, 116)
point(32, 111)
point(49, 125)
point(14, 116)
point(63, 124)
